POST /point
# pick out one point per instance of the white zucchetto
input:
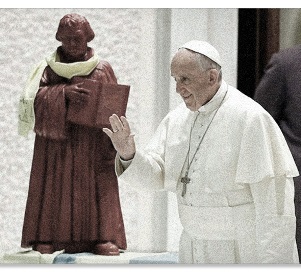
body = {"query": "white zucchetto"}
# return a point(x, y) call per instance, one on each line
point(204, 48)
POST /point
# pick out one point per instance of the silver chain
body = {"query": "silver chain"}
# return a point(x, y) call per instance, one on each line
point(198, 147)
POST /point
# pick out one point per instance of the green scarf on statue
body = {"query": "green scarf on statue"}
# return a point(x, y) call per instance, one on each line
point(68, 70)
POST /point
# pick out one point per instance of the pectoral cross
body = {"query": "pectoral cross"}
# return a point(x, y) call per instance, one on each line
point(185, 180)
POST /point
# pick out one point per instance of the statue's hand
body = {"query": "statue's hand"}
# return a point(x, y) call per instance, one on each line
point(121, 137)
point(76, 93)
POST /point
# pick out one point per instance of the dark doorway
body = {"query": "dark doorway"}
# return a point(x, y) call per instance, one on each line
point(258, 39)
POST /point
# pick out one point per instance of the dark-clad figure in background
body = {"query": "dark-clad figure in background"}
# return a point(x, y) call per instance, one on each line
point(279, 92)
point(73, 199)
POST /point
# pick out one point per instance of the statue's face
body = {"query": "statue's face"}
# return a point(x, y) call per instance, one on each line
point(74, 44)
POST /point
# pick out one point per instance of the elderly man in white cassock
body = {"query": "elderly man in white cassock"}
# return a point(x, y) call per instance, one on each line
point(227, 161)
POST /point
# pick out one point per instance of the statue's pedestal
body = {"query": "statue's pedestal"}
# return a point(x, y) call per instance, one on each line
point(59, 257)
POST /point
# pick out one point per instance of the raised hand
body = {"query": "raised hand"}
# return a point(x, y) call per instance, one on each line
point(121, 137)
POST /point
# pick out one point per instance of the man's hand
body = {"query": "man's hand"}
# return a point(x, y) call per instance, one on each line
point(121, 137)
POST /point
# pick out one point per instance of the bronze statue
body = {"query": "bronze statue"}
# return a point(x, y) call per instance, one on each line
point(73, 199)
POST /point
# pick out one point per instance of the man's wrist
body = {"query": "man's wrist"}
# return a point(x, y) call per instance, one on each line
point(125, 163)
point(126, 158)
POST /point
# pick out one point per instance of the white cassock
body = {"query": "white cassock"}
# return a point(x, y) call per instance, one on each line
point(239, 204)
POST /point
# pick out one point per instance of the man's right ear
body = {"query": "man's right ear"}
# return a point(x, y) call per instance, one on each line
point(213, 76)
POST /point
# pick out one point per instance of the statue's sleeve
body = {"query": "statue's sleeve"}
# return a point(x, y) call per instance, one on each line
point(50, 110)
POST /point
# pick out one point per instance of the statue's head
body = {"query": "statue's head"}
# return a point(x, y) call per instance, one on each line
point(74, 24)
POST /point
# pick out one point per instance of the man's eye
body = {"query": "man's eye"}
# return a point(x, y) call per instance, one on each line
point(184, 80)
